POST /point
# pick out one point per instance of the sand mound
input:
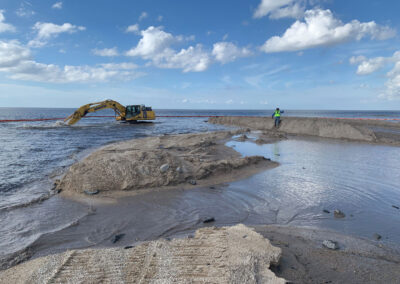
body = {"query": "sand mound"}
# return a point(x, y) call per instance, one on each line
point(214, 255)
point(160, 161)
point(376, 131)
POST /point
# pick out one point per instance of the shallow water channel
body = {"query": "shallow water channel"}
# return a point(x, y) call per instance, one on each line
point(362, 180)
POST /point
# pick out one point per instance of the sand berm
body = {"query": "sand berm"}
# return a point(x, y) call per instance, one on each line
point(365, 130)
point(159, 162)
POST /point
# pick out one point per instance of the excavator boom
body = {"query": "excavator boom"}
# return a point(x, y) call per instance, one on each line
point(129, 113)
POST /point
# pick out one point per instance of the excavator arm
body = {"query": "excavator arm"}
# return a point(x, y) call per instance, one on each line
point(93, 107)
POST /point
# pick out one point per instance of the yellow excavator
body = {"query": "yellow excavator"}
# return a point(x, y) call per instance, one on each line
point(131, 113)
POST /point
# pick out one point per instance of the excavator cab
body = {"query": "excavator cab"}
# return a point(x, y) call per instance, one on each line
point(132, 111)
point(139, 112)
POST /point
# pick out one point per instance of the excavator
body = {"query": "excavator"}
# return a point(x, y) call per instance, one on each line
point(131, 113)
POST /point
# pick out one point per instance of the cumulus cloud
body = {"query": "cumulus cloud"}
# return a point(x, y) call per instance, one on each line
point(153, 42)
point(4, 27)
point(155, 45)
point(57, 5)
point(45, 31)
point(225, 52)
point(106, 51)
point(277, 9)
point(133, 29)
point(12, 53)
point(367, 66)
point(321, 28)
point(16, 61)
point(192, 59)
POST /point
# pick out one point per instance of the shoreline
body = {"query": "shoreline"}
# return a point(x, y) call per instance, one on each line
point(312, 265)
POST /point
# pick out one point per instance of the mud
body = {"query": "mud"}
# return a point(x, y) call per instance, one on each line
point(382, 132)
point(163, 161)
point(214, 255)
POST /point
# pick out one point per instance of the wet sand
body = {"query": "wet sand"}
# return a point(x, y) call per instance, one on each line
point(165, 161)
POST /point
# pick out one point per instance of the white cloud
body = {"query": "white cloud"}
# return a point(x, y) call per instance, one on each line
point(393, 84)
point(229, 102)
point(192, 59)
point(277, 9)
point(143, 15)
point(45, 31)
point(12, 53)
point(16, 61)
point(133, 29)
point(292, 11)
point(155, 45)
point(57, 5)
point(160, 18)
point(25, 10)
point(225, 52)
point(320, 28)
point(357, 59)
point(153, 42)
point(4, 27)
point(367, 66)
point(106, 51)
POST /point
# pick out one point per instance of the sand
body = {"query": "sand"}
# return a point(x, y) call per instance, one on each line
point(382, 132)
point(213, 255)
point(305, 260)
point(164, 161)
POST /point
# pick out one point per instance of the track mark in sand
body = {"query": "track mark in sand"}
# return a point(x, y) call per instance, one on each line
point(214, 255)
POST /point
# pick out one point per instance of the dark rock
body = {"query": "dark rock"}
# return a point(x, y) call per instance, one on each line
point(212, 187)
point(190, 236)
point(209, 220)
point(192, 182)
point(116, 238)
point(338, 214)
point(326, 211)
point(58, 190)
point(377, 236)
point(91, 192)
point(330, 244)
point(396, 207)
point(56, 182)
point(304, 168)
point(128, 247)
point(277, 154)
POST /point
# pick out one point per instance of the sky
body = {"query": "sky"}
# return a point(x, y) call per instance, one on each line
point(225, 54)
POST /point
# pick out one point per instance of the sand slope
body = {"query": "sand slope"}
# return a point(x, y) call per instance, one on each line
point(161, 161)
point(360, 130)
point(214, 255)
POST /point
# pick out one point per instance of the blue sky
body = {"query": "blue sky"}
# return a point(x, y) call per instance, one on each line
point(237, 54)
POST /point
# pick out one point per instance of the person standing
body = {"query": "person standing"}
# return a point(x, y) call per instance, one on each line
point(277, 115)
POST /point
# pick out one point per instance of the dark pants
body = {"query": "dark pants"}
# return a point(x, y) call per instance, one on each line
point(277, 121)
